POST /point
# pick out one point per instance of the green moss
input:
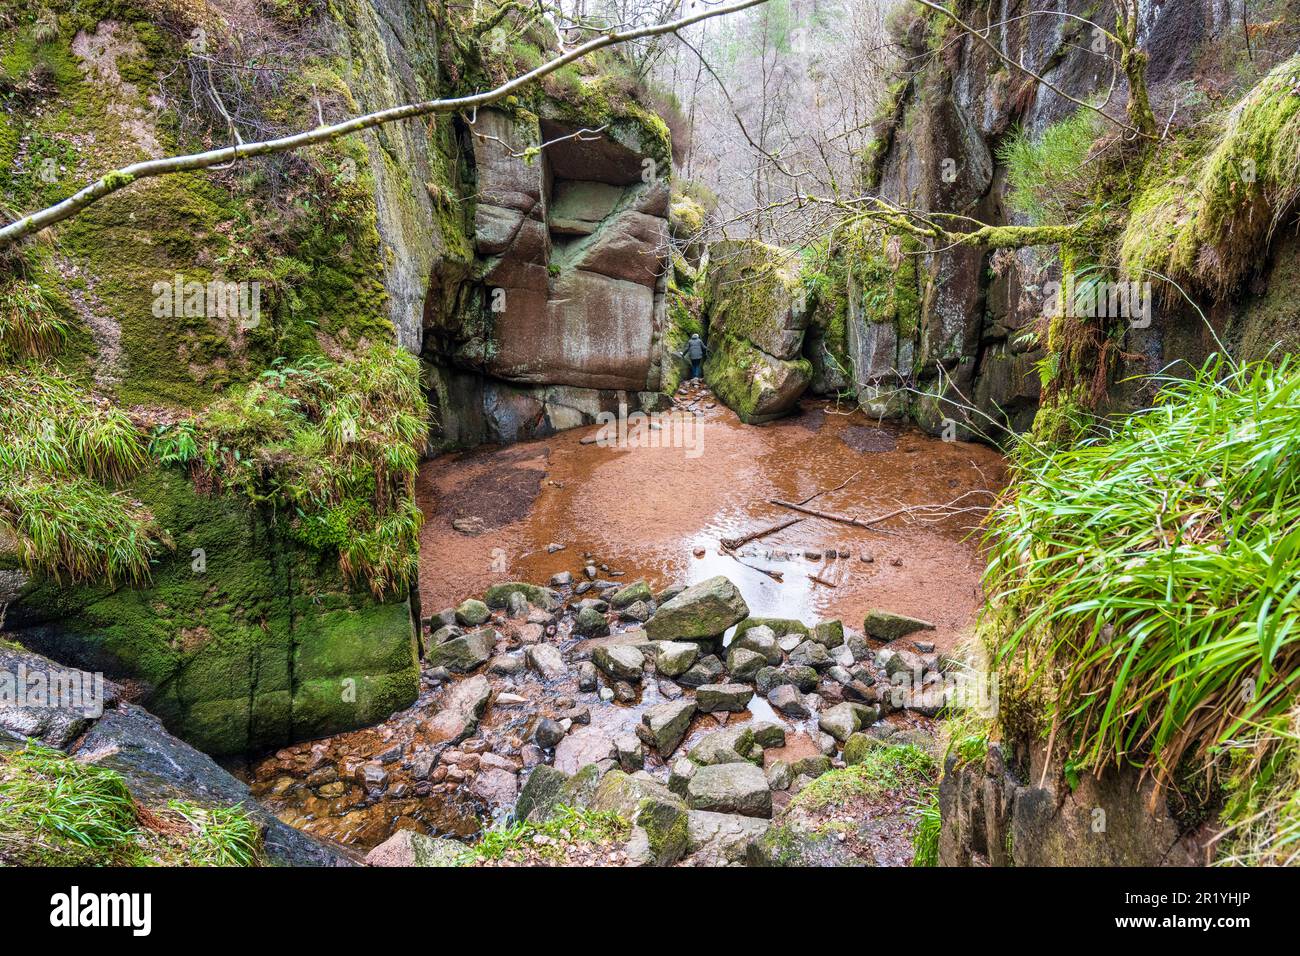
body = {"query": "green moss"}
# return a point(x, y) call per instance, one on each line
point(881, 769)
point(1210, 229)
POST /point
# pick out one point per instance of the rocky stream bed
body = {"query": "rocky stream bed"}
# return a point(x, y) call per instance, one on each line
point(717, 731)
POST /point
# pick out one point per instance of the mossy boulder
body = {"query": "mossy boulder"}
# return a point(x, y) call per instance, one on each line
point(498, 594)
point(703, 610)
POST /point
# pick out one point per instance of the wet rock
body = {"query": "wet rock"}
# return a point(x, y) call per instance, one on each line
point(668, 593)
point(578, 715)
point(729, 745)
point(767, 733)
point(607, 694)
point(562, 580)
point(721, 839)
point(444, 618)
point(666, 724)
point(540, 792)
point(669, 690)
point(597, 604)
point(657, 814)
point(780, 626)
point(704, 671)
point(499, 788)
point(586, 676)
point(702, 610)
point(590, 623)
point(779, 775)
point(744, 664)
point(900, 662)
point(583, 746)
point(673, 658)
point(734, 698)
point(840, 721)
point(730, 788)
point(472, 613)
point(508, 665)
point(498, 595)
point(759, 640)
point(620, 661)
point(547, 660)
point(811, 654)
point(680, 775)
point(582, 587)
point(517, 605)
point(927, 701)
point(464, 654)
point(507, 699)
point(552, 548)
point(471, 525)
point(790, 642)
point(444, 634)
point(624, 692)
point(632, 594)
point(639, 612)
point(630, 752)
point(787, 700)
point(548, 733)
point(829, 634)
point(812, 766)
point(885, 626)
point(407, 848)
point(464, 705)
point(924, 647)
point(804, 678)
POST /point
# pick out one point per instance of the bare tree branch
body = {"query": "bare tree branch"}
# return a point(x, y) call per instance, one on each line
point(121, 178)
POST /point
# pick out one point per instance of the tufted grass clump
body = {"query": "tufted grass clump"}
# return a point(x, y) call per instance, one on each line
point(60, 453)
point(1048, 177)
point(333, 446)
point(925, 840)
point(1145, 580)
point(28, 326)
point(548, 838)
point(57, 811)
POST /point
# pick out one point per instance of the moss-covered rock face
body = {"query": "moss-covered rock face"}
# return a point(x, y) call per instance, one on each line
point(242, 640)
point(267, 513)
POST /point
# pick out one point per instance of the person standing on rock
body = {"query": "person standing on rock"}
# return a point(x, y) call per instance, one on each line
point(695, 350)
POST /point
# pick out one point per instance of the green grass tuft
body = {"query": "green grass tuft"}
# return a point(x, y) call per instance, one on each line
point(1145, 580)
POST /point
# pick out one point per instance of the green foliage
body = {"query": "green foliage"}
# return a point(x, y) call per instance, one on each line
point(223, 836)
point(925, 841)
point(56, 811)
point(1144, 581)
point(28, 326)
point(881, 769)
point(1048, 178)
point(57, 444)
point(334, 446)
point(566, 825)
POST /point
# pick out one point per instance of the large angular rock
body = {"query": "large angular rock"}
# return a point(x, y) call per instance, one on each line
point(721, 839)
point(829, 634)
point(674, 658)
point(461, 709)
point(666, 724)
point(758, 640)
point(744, 664)
point(840, 721)
point(620, 661)
point(730, 788)
point(406, 848)
point(811, 654)
point(704, 671)
point(886, 626)
point(540, 792)
point(753, 384)
point(586, 745)
point(463, 654)
point(547, 660)
point(730, 745)
point(658, 816)
point(498, 595)
point(733, 698)
point(703, 610)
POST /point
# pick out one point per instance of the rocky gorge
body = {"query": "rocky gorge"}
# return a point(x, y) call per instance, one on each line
point(415, 567)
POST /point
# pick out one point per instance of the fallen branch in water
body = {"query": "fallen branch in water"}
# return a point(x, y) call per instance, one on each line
point(929, 512)
point(829, 490)
point(818, 580)
point(732, 544)
point(776, 576)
